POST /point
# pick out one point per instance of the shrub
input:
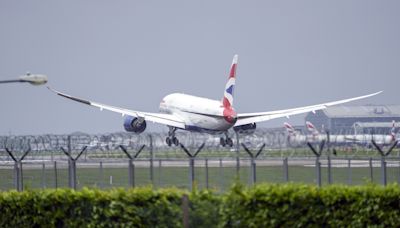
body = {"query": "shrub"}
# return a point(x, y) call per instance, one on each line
point(269, 205)
point(293, 205)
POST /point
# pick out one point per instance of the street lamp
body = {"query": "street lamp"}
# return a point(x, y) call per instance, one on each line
point(33, 79)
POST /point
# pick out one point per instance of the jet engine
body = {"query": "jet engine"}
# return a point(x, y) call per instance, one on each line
point(134, 124)
point(248, 128)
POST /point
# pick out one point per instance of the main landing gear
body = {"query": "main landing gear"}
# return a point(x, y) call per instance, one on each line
point(171, 139)
point(226, 141)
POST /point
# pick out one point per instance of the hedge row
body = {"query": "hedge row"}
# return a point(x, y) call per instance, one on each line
point(261, 206)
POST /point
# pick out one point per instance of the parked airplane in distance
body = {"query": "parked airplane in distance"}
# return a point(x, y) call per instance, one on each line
point(315, 136)
point(191, 113)
point(380, 139)
point(296, 139)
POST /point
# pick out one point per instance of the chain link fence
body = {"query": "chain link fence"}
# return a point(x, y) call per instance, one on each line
point(212, 173)
point(125, 160)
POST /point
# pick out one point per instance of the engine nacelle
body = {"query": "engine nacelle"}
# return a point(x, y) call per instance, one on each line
point(134, 124)
point(248, 128)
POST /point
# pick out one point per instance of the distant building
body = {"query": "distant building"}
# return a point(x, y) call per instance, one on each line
point(361, 119)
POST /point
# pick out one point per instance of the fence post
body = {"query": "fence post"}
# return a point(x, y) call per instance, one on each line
point(191, 173)
point(131, 175)
point(254, 171)
point(329, 170)
point(185, 210)
point(317, 163)
point(349, 171)
point(191, 163)
point(43, 175)
point(237, 155)
point(398, 172)
point(73, 174)
point(371, 170)
point(72, 164)
point(206, 166)
point(383, 156)
point(101, 184)
point(252, 161)
point(18, 174)
point(221, 174)
point(21, 175)
point(55, 175)
point(286, 169)
point(383, 168)
point(318, 170)
point(131, 165)
point(151, 160)
point(159, 172)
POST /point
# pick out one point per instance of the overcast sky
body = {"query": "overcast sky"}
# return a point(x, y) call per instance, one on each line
point(133, 53)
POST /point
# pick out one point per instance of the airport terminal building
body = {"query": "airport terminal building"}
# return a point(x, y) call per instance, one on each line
point(359, 119)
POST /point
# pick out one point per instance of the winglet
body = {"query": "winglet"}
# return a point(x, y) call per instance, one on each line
point(48, 87)
point(70, 97)
point(53, 90)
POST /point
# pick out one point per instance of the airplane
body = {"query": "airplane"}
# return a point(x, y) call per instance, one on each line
point(380, 139)
point(316, 137)
point(192, 113)
point(33, 79)
point(296, 139)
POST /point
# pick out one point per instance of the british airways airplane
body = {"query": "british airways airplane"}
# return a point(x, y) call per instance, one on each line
point(295, 139)
point(191, 113)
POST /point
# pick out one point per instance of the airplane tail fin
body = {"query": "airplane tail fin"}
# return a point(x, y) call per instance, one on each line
point(290, 129)
point(227, 101)
point(311, 128)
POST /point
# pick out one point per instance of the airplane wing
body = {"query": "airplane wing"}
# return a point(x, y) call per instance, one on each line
point(160, 118)
point(248, 118)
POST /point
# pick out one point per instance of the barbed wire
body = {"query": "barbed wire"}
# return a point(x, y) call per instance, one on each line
point(105, 145)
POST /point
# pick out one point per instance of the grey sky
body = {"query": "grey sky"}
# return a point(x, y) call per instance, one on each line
point(133, 53)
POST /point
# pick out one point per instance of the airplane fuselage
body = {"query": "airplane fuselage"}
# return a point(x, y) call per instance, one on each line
point(342, 139)
point(198, 113)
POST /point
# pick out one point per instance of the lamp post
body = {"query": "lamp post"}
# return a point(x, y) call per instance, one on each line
point(33, 79)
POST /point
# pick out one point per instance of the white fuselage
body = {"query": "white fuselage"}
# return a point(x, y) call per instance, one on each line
point(199, 114)
point(342, 139)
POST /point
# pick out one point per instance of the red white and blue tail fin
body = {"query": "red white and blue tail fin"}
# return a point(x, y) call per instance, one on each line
point(230, 85)
point(311, 128)
point(290, 129)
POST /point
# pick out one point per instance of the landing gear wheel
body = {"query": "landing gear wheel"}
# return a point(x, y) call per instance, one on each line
point(222, 141)
point(175, 141)
point(229, 142)
point(171, 139)
point(168, 141)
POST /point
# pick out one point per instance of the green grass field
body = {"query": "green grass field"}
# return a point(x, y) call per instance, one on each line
point(219, 179)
